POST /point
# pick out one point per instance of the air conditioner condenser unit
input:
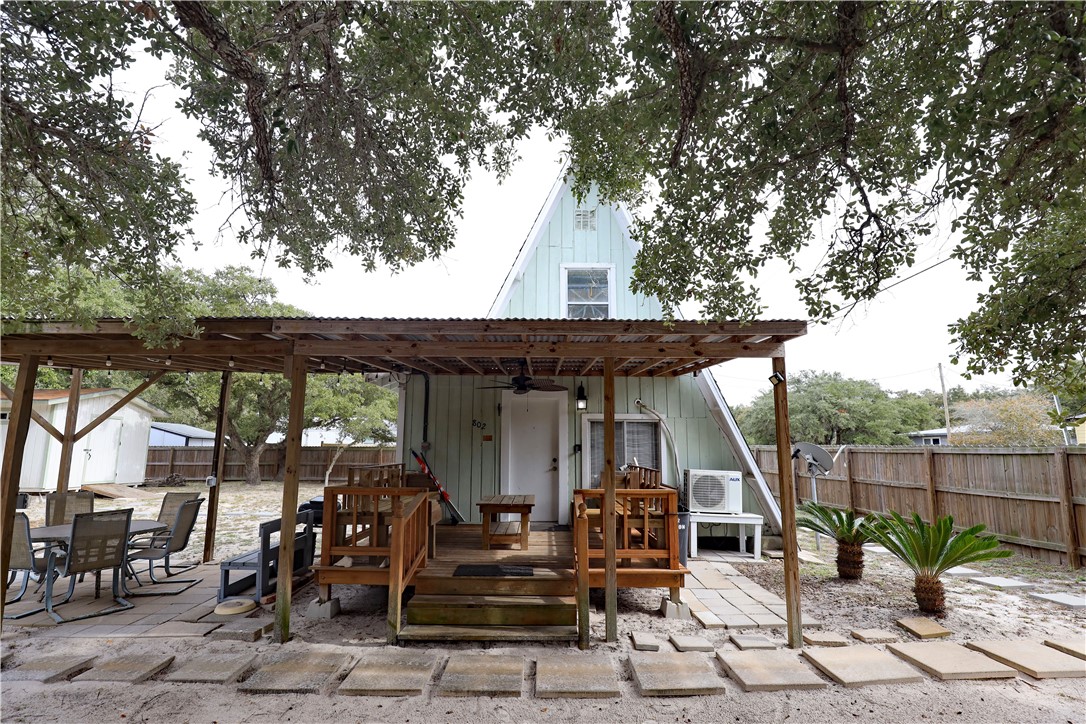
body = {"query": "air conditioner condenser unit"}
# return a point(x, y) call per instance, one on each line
point(713, 491)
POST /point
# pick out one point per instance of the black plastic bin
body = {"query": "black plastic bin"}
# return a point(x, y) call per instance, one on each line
point(684, 536)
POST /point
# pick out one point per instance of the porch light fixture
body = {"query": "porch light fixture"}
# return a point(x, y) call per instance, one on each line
point(582, 398)
point(776, 378)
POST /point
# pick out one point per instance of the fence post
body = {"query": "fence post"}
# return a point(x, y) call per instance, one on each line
point(929, 483)
point(1067, 507)
point(848, 480)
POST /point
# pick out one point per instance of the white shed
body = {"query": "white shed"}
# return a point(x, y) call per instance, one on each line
point(113, 452)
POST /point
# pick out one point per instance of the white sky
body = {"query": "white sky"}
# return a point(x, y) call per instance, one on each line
point(897, 341)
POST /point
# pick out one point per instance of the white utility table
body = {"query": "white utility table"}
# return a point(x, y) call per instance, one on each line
point(740, 519)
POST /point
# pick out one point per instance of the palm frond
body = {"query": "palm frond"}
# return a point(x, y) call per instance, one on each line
point(932, 549)
point(841, 525)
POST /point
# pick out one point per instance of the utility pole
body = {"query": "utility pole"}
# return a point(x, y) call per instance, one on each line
point(946, 406)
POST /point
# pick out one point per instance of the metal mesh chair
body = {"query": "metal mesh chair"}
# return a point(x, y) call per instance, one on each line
point(23, 559)
point(99, 541)
point(159, 546)
point(171, 503)
point(61, 508)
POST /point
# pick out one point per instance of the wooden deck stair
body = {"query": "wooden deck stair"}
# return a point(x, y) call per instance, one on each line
point(540, 607)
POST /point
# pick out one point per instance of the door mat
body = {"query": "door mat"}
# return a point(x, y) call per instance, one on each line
point(492, 571)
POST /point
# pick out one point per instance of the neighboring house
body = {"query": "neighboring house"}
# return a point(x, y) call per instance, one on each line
point(481, 439)
point(113, 452)
point(1077, 424)
point(935, 436)
point(174, 434)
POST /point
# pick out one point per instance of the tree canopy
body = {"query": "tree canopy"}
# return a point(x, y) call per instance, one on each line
point(828, 409)
point(756, 131)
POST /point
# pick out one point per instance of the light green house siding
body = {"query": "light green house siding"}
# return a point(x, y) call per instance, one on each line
point(464, 430)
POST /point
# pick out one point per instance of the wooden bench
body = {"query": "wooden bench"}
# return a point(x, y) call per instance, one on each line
point(261, 566)
point(509, 532)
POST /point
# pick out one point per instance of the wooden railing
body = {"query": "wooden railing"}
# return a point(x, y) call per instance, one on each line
point(376, 476)
point(639, 477)
point(385, 534)
point(648, 526)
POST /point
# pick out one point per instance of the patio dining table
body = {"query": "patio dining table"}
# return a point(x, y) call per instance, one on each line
point(61, 533)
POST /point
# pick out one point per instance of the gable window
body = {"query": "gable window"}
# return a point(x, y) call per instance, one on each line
point(584, 220)
point(587, 292)
point(637, 442)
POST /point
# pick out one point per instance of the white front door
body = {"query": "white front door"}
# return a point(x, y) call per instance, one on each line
point(532, 461)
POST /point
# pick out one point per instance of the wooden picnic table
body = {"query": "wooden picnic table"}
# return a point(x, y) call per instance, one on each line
point(508, 532)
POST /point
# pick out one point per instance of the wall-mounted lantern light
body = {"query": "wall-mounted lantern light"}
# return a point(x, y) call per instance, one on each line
point(582, 398)
point(776, 378)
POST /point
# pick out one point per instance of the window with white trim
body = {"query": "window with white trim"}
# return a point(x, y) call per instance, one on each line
point(588, 292)
point(637, 442)
point(584, 220)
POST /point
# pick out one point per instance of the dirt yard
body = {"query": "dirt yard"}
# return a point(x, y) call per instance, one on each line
point(884, 595)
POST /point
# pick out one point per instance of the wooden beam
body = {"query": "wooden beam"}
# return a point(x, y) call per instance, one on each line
point(591, 363)
point(218, 464)
point(440, 367)
point(155, 377)
point(788, 506)
point(34, 414)
point(610, 519)
point(692, 367)
point(529, 350)
point(289, 515)
point(471, 365)
point(67, 443)
point(22, 402)
point(788, 328)
point(135, 348)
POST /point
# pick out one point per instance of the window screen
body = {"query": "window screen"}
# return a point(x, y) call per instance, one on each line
point(587, 294)
point(635, 441)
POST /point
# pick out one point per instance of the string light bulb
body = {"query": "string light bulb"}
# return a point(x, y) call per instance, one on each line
point(231, 362)
point(169, 360)
point(49, 360)
point(109, 361)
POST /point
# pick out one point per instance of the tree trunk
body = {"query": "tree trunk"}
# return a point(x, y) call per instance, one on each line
point(252, 465)
point(850, 561)
point(929, 595)
point(332, 463)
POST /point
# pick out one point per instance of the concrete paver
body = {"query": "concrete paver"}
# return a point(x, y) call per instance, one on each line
point(736, 620)
point(769, 670)
point(874, 635)
point(644, 641)
point(861, 665)
point(1069, 600)
point(962, 571)
point(691, 643)
point(1002, 583)
point(48, 669)
point(295, 674)
point(212, 669)
point(178, 629)
point(390, 672)
point(708, 619)
point(751, 641)
point(1074, 646)
point(923, 628)
point(482, 675)
point(947, 660)
point(245, 629)
point(1029, 657)
point(675, 675)
point(128, 669)
point(824, 638)
point(575, 677)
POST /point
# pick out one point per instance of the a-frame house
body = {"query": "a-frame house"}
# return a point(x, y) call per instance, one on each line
point(483, 440)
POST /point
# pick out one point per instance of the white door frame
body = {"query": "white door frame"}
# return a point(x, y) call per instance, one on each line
point(562, 398)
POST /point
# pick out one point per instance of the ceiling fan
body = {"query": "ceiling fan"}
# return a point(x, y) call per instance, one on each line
point(522, 384)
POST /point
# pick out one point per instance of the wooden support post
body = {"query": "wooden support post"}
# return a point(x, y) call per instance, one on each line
point(395, 570)
point(610, 520)
point(22, 401)
point(929, 483)
point(218, 465)
point(1067, 508)
point(580, 530)
point(289, 515)
point(67, 442)
point(788, 507)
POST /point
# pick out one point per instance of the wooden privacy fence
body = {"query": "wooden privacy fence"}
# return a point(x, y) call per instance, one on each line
point(1033, 499)
point(194, 463)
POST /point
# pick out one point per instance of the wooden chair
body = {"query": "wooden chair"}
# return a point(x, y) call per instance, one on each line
point(61, 508)
point(159, 546)
point(99, 541)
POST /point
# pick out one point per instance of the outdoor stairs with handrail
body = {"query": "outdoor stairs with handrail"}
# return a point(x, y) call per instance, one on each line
point(540, 607)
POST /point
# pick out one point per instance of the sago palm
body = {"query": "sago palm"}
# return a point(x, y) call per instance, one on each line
point(844, 527)
point(931, 550)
